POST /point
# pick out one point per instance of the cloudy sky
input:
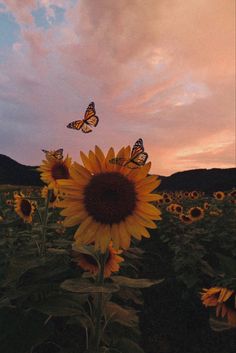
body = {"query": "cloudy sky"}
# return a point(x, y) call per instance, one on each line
point(162, 70)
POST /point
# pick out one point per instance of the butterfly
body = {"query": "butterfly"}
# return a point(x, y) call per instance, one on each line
point(58, 154)
point(90, 119)
point(137, 158)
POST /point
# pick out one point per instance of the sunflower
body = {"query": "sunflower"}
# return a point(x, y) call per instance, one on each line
point(219, 195)
point(206, 205)
point(178, 209)
point(24, 207)
point(185, 218)
point(54, 196)
point(233, 193)
point(224, 300)
point(109, 201)
point(194, 195)
point(53, 169)
point(88, 262)
point(196, 213)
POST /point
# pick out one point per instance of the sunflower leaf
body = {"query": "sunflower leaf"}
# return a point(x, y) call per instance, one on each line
point(135, 282)
point(86, 286)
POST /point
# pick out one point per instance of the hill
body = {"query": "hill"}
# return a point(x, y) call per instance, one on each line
point(14, 173)
point(208, 180)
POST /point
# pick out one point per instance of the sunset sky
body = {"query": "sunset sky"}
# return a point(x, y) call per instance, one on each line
point(162, 70)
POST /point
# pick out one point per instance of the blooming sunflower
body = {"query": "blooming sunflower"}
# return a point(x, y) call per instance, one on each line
point(185, 218)
point(219, 195)
point(109, 201)
point(88, 263)
point(53, 169)
point(53, 198)
point(194, 195)
point(24, 207)
point(224, 300)
point(196, 213)
point(178, 209)
point(206, 205)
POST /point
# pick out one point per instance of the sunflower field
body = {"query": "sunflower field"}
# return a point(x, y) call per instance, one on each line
point(99, 261)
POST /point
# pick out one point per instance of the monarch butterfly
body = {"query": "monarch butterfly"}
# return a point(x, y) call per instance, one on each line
point(58, 154)
point(90, 119)
point(137, 159)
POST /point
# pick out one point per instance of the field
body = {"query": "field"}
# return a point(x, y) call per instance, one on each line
point(152, 305)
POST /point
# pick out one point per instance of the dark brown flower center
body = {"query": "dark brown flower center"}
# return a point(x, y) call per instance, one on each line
point(110, 197)
point(60, 171)
point(25, 207)
point(195, 212)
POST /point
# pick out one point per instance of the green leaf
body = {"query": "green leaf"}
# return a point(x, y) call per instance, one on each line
point(86, 286)
point(125, 316)
point(135, 283)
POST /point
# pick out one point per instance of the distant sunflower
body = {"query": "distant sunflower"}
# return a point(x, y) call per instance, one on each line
point(196, 213)
point(219, 195)
point(109, 201)
point(206, 205)
point(224, 300)
point(233, 193)
point(194, 195)
point(54, 196)
point(88, 262)
point(185, 218)
point(53, 169)
point(24, 208)
point(178, 209)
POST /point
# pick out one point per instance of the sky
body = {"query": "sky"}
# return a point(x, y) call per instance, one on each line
point(162, 70)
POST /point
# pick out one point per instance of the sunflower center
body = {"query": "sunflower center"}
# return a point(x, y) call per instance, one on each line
point(25, 207)
point(60, 171)
point(110, 197)
point(89, 259)
point(195, 212)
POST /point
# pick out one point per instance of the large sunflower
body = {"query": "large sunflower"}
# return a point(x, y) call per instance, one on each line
point(53, 169)
point(24, 207)
point(88, 262)
point(109, 201)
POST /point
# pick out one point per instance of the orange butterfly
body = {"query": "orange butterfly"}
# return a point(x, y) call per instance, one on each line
point(58, 154)
point(137, 159)
point(90, 119)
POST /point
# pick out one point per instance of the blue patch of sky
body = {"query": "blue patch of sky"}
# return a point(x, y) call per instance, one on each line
point(42, 21)
point(9, 30)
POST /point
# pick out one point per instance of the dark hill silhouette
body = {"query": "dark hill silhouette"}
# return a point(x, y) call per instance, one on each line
point(14, 173)
point(208, 180)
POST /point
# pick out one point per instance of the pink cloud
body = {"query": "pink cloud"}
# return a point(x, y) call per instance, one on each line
point(21, 10)
point(163, 72)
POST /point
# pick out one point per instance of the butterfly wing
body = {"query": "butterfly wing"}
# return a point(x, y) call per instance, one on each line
point(140, 159)
point(76, 125)
point(86, 128)
point(90, 117)
point(137, 148)
point(58, 154)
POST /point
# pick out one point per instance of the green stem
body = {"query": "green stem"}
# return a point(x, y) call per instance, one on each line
point(99, 310)
point(44, 225)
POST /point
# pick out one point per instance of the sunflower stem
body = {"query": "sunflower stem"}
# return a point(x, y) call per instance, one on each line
point(99, 311)
point(45, 221)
